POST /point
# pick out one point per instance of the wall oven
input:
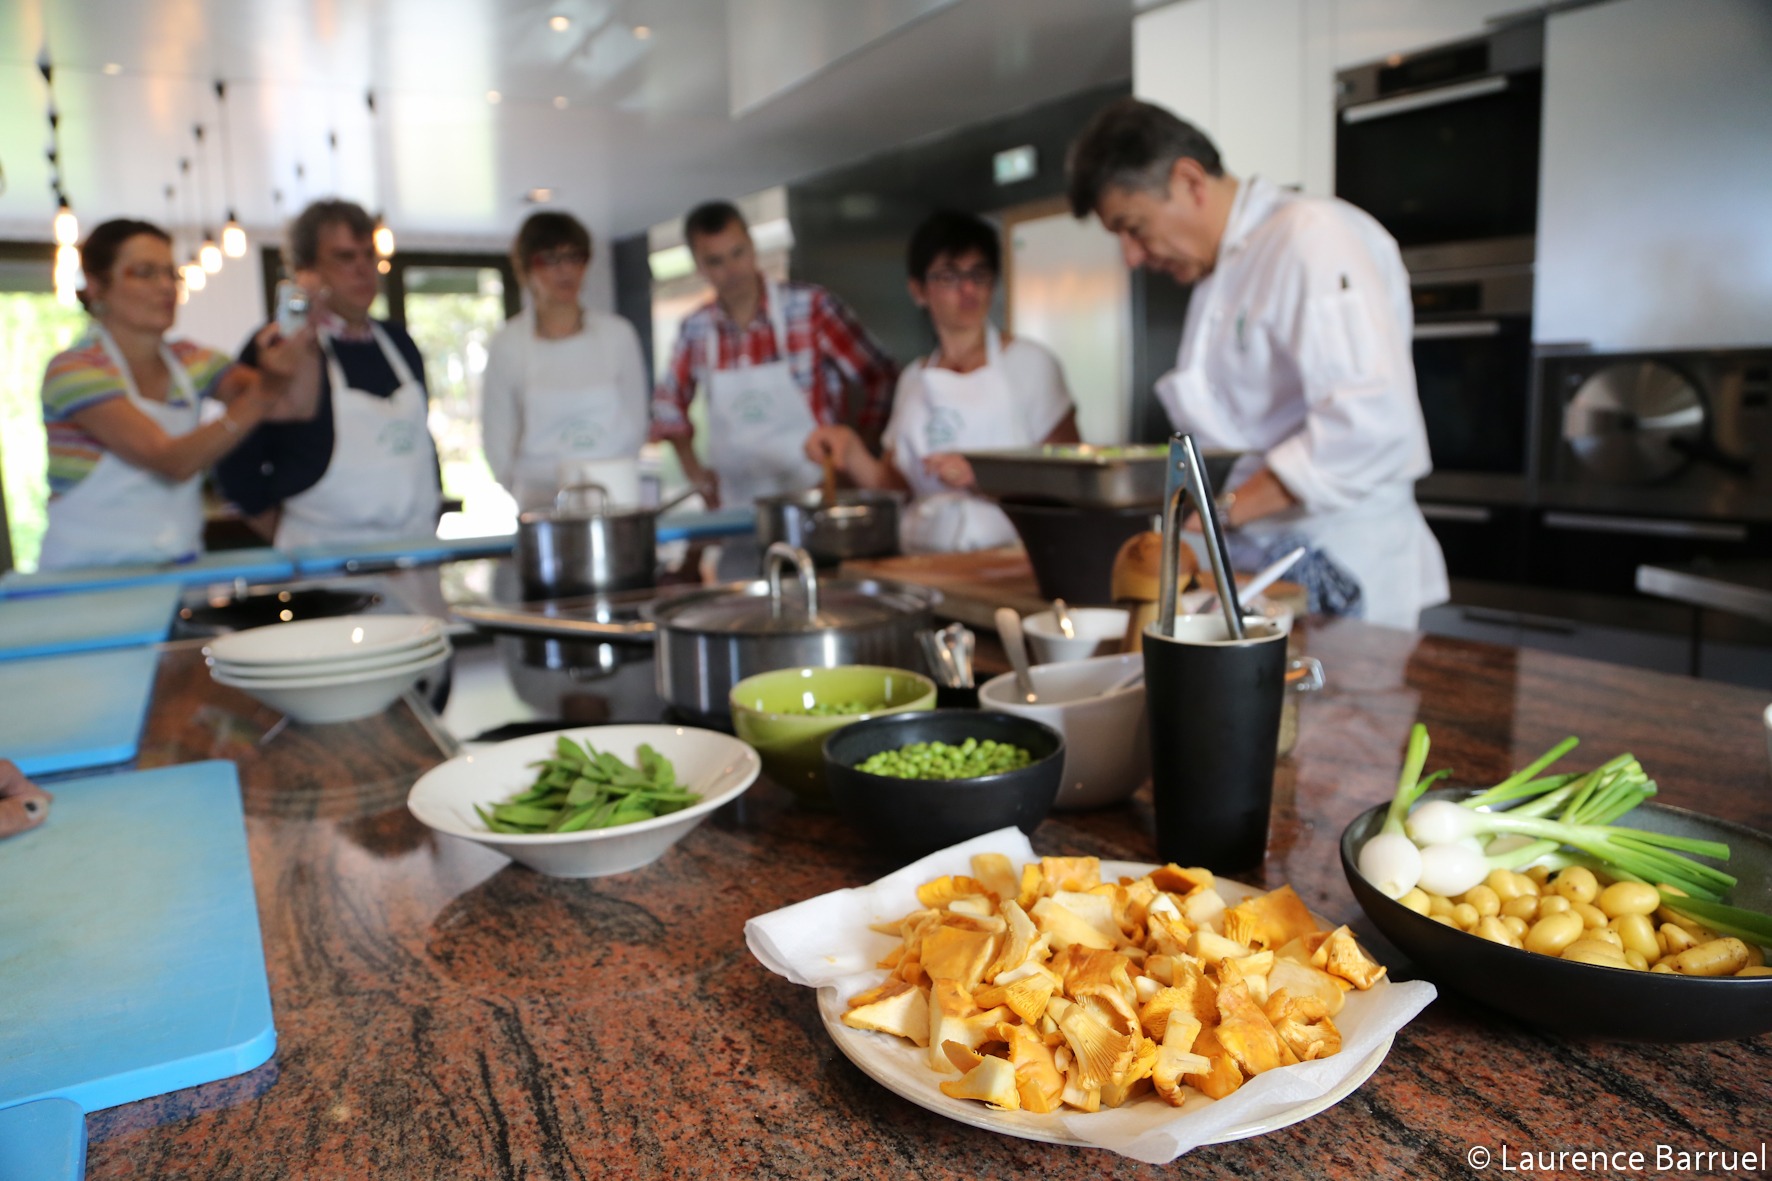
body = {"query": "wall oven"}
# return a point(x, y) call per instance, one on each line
point(1442, 147)
point(1473, 369)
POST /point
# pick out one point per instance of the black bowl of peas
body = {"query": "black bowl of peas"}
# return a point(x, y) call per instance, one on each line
point(920, 781)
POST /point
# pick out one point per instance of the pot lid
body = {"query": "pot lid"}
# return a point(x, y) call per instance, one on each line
point(1634, 422)
point(745, 608)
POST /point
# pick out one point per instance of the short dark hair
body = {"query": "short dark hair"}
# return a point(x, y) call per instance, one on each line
point(98, 254)
point(947, 232)
point(710, 218)
point(304, 232)
point(545, 231)
point(1133, 145)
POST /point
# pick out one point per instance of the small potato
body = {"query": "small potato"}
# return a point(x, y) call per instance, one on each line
point(1415, 900)
point(1591, 915)
point(1628, 898)
point(1515, 925)
point(1549, 936)
point(1750, 970)
point(1550, 904)
point(1466, 916)
point(1487, 901)
point(1445, 919)
point(1577, 884)
point(1756, 958)
point(1489, 927)
point(1719, 957)
point(1662, 966)
point(1438, 905)
point(1638, 934)
point(1588, 951)
point(1530, 885)
point(1538, 875)
point(1675, 939)
point(1602, 935)
point(1635, 959)
point(1525, 906)
point(1504, 882)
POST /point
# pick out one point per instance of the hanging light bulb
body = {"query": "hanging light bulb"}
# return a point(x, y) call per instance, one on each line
point(67, 275)
point(384, 238)
point(209, 255)
point(67, 226)
point(233, 241)
point(195, 276)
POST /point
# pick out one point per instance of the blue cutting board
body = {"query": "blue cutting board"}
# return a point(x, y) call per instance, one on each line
point(43, 1141)
point(263, 564)
point(723, 522)
point(417, 551)
point(129, 936)
point(66, 713)
point(86, 620)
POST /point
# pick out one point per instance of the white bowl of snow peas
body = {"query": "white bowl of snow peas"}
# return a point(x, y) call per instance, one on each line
point(586, 802)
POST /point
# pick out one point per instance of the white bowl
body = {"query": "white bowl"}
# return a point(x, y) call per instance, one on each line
point(1099, 630)
point(718, 766)
point(321, 641)
point(344, 666)
point(344, 697)
point(1106, 743)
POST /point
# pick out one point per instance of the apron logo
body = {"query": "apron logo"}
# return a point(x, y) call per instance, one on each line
point(942, 429)
point(398, 438)
point(580, 435)
point(751, 407)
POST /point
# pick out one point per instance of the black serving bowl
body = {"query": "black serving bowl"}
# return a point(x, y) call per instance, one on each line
point(1586, 1000)
point(920, 815)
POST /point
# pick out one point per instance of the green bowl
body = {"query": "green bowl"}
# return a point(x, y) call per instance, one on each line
point(768, 711)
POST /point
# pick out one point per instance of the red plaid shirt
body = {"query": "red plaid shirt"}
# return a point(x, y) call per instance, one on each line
point(827, 350)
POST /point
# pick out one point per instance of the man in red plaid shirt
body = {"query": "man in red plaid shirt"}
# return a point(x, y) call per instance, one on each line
point(774, 361)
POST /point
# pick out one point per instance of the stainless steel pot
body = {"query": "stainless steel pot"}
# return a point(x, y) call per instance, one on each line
point(709, 640)
point(588, 549)
point(861, 524)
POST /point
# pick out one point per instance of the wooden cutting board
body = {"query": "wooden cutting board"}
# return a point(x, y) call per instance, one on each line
point(973, 585)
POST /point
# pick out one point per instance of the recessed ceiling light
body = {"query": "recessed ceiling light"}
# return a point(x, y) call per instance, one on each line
point(493, 96)
point(539, 196)
point(559, 102)
point(642, 32)
point(113, 69)
point(559, 23)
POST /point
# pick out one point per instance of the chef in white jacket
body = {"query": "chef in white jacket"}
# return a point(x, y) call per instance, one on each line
point(1296, 347)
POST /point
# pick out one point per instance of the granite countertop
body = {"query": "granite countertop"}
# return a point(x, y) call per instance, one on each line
point(442, 1013)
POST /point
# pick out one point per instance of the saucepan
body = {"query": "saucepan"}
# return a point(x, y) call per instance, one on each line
point(855, 523)
point(585, 546)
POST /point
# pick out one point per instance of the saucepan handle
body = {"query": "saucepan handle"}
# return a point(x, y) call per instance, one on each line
point(780, 554)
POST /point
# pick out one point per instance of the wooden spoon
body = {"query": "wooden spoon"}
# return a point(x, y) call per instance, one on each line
point(830, 480)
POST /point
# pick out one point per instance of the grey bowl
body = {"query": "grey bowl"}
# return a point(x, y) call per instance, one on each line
point(919, 815)
point(1586, 1000)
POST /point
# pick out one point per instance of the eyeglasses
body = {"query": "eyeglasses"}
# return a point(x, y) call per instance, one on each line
point(149, 271)
point(977, 276)
point(565, 256)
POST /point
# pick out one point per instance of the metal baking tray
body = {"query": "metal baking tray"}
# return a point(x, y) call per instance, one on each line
point(1084, 475)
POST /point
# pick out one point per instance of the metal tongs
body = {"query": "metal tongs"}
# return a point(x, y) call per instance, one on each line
point(1187, 481)
point(949, 653)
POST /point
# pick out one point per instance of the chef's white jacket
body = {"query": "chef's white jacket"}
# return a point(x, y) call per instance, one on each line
point(1297, 349)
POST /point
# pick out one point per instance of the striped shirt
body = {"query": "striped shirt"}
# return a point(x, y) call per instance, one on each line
point(85, 376)
point(827, 349)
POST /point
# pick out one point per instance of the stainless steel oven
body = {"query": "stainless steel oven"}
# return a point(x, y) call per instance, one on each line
point(1473, 369)
point(1442, 147)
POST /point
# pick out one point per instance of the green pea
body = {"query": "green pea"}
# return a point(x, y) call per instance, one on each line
point(971, 759)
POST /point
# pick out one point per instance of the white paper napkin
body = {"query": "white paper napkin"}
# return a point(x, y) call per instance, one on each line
point(824, 942)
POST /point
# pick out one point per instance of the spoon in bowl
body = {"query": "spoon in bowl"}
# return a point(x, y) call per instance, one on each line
point(1061, 614)
point(1009, 631)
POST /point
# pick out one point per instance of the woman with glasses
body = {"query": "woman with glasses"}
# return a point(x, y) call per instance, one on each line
point(133, 420)
point(975, 391)
point(565, 390)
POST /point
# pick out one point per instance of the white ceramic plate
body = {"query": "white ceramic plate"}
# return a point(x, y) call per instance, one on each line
point(326, 676)
point(344, 666)
point(319, 641)
point(903, 1068)
point(717, 765)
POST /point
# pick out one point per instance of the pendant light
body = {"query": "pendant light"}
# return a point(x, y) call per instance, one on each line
point(64, 226)
point(233, 239)
point(384, 235)
point(195, 277)
point(209, 255)
point(170, 225)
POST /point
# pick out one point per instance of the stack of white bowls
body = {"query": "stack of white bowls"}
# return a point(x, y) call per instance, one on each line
point(330, 670)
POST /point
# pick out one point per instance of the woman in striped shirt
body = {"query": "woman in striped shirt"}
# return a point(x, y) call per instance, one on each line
point(134, 420)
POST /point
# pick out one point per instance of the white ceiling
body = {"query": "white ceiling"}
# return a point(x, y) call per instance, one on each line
point(625, 129)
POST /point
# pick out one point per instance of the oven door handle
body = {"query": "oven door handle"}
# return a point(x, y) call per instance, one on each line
point(1403, 103)
point(1458, 330)
point(1646, 527)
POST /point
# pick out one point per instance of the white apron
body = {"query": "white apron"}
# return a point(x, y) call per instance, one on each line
point(122, 513)
point(758, 420)
point(956, 412)
point(381, 483)
point(1383, 540)
point(572, 432)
